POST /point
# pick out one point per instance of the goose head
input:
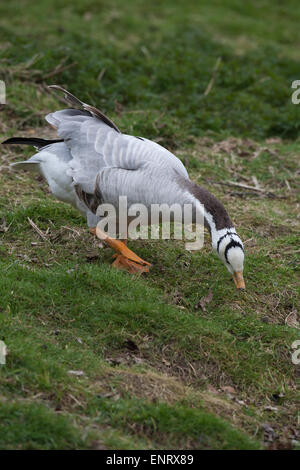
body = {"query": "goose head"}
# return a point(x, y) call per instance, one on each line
point(230, 250)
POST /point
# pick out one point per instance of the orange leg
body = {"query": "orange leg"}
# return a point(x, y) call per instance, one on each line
point(124, 258)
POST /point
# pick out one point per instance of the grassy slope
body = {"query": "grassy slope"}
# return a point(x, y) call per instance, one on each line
point(155, 369)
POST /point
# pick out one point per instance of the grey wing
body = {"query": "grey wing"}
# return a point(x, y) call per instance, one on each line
point(78, 129)
point(148, 184)
point(95, 146)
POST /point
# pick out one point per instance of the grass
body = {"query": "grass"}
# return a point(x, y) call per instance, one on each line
point(98, 359)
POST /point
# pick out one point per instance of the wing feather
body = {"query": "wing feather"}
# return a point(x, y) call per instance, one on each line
point(96, 144)
point(71, 99)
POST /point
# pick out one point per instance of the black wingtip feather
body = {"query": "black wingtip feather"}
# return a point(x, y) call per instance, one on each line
point(35, 141)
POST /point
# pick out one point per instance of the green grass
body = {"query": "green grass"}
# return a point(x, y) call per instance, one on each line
point(155, 371)
point(161, 66)
point(32, 426)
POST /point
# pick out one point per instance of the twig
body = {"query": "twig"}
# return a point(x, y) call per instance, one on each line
point(288, 185)
point(291, 252)
point(255, 181)
point(244, 186)
point(21, 123)
point(249, 188)
point(58, 69)
point(214, 73)
point(101, 74)
point(71, 229)
point(75, 399)
point(38, 231)
point(247, 241)
point(145, 52)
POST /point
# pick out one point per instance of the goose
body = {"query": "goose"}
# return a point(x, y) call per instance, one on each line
point(93, 162)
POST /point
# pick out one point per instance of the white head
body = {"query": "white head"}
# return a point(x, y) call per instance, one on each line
point(230, 250)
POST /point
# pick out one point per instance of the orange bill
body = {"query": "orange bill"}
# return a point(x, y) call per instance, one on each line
point(239, 280)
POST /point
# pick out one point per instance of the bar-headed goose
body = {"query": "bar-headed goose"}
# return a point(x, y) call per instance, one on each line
point(93, 162)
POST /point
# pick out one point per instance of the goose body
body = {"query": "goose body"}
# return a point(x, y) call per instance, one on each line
point(93, 162)
point(52, 161)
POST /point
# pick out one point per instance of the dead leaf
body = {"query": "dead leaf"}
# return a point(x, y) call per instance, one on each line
point(274, 140)
point(87, 16)
point(3, 226)
point(212, 389)
point(92, 256)
point(204, 301)
point(241, 402)
point(167, 363)
point(271, 408)
point(78, 373)
point(228, 389)
point(138, 360)
point(269, 433)
point(97, 445)
point(292, 320)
